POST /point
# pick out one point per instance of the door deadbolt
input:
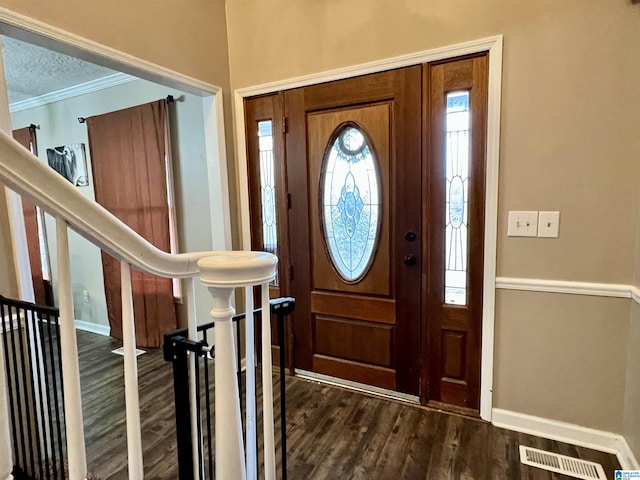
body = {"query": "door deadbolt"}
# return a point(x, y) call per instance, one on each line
point(410, 260)
point(410, 236)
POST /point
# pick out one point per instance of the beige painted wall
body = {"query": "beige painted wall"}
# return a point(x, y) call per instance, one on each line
point(562, 357)
point(188, 36)
point(568, 127)
point(568, 143)
point(631, 428)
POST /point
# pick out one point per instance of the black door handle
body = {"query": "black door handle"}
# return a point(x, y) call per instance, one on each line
point(410, 260)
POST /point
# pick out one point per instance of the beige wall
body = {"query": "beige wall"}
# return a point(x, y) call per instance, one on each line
point(568, 142)
point(562, 357)
point(188, 36)
point(631, 428)
point(568, 127)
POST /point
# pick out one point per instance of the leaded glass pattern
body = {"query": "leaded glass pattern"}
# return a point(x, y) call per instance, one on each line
point(267, 187)
point(456, 197)
point(350, 199)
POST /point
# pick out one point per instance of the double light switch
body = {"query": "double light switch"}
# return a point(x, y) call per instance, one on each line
point(533, 224)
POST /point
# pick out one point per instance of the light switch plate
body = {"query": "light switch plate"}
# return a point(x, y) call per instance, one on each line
point(522, 224)
point(548, 224)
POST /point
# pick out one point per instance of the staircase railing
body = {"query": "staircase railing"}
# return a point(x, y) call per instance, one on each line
point(221, 272)
point(29, 339)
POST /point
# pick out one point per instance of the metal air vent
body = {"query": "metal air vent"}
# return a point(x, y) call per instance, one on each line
point(554, 462)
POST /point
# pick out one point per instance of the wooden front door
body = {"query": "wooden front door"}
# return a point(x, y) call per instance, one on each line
point(376, 185)
point(353, 168)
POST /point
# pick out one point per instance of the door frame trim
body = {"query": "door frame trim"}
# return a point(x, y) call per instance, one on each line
point(494, 46)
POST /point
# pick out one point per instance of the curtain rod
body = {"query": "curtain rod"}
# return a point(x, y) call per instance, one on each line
point(168, 99)
point(33, 126)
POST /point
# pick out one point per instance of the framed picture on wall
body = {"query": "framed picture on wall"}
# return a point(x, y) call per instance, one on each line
point(70, 161)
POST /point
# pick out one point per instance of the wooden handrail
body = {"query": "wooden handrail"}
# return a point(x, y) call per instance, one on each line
point(24, 173)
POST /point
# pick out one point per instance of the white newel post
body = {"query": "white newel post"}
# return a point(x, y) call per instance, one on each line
point(70, 369)
point(221, 274)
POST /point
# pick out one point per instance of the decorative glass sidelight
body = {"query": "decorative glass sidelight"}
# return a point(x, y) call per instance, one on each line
point(457, 197)
point(267, 188)
point(350, 201)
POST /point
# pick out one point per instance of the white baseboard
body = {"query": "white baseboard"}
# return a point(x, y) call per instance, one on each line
point(93, 328)
point(566, 432)
point(626, 457)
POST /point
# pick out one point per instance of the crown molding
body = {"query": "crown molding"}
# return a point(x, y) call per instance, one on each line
point(70, 92)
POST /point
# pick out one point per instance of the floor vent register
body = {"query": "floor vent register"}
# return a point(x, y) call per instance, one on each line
point(574, 467)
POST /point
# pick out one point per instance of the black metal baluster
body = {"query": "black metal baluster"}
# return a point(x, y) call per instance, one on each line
point(239, 374)
point(46, 319)
point(34, 368)
point(26, 364)
point(283, 397)
point(198, 416)
point(173, 352)
point(207, 395)
point(58, 384)
point(16, 379)
point(5, 341)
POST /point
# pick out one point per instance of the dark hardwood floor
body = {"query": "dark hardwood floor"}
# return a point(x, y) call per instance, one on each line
point(332, 433)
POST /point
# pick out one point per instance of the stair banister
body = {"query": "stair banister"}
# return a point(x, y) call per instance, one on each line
point(221, 273)
point(24, 173)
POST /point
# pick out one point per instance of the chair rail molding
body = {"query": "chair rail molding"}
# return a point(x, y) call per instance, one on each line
point(615, 290)
point(635, 293)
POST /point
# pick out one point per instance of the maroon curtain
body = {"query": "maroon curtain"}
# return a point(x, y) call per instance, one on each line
point(27, 138)
point(128, 150)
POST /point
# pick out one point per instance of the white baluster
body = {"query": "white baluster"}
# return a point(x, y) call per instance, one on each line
point(70, 369)
point(267, 388)
point(222, 273)
point(196, 440)
point(250, 360)
point(132, 400)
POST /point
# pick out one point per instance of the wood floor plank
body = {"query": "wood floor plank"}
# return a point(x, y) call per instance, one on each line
point(331, 433)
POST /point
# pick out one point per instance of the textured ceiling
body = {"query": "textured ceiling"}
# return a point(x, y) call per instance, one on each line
point(32, 71)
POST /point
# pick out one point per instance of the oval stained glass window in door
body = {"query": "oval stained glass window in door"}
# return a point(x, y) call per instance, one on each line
point(350, 202)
